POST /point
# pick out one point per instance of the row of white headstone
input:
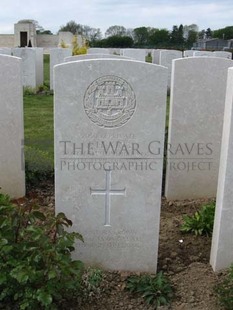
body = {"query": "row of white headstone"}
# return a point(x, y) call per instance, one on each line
point(33, 69)
point(109, 136)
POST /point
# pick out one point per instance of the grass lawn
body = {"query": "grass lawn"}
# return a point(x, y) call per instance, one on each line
point(38, 122)
point(38, 131)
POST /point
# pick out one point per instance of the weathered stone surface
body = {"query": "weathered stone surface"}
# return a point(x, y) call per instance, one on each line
point(96, 50)
point(156, 56)
point(222, 241)
point(134, 53)
point(5, 50)
point(39, 66)
point(57, 56)
point(12, 177)
point(188, 53)
point(165, 59)
point(203, 53)
point(195, 126)
point(28, 56)
point(109, 132)
point(93, 56)
point(223, 54)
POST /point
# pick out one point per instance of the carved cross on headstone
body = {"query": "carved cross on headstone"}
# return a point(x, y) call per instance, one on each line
point(108, 192)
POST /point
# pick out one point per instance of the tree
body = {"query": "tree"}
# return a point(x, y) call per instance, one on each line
point(91, 34)
point(73, 27)
point(115, 41)
point(119, 41)
point(224, 33)
point(192, 38)
point(187, 28)
point(44, 32)
point(208, 33)
point(160, 38)
point(141, 36)
point(130, 33)
point(115, 31)
point(201, 34)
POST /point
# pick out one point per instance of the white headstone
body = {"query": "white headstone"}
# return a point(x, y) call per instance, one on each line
point(195, 126)
point(222, 241)
point(223, 54)
point(109, 132)
point(95, 50)
point(57, 56)
point(28, 56)
point(188, 53)
point(93, 56)
point(12, 176)
point(33, 65)
point(134, 53)
point(39, 66)
point(66, 38)
point(5, 51)
point(165, 59)
point(203, 53)
point(155, 56)
point(114, 51)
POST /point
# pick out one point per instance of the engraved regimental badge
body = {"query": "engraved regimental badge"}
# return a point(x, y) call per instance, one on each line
point(109, 101)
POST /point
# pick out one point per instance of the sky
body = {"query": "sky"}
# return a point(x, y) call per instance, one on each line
point(52, 14)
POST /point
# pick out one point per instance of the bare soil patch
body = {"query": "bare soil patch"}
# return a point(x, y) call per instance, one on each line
point(183, 257)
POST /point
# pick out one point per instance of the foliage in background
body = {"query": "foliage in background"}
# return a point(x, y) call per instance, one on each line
point(156, 290)
point(224, 33)
point(37, 270)
point(224, 290)
point(115, 41)
point(202, 222)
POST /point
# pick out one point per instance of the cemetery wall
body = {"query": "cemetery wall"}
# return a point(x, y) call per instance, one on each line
point(43, 40)
point(6, 40)
point(47, 40)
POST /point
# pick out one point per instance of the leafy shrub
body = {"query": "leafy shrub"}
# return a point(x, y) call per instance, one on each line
point(78, 50)
point(201, 222)
point(4, 200)
point(156, 290)
point(35, 258)
point(63, 44)
point(224, 290)
point(38, 165)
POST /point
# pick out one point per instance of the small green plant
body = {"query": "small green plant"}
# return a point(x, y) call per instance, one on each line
point(156, 290)
point(37, 271)
point(91, 281)
point(224, 290)
point(63, 44)
point(29, 91)
point(201, 223)
point(4, 200)
point(78, 50)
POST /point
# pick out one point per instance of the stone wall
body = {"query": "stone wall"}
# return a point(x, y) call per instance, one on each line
point(6, 40)
point(42, 40)
point(47, 40)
